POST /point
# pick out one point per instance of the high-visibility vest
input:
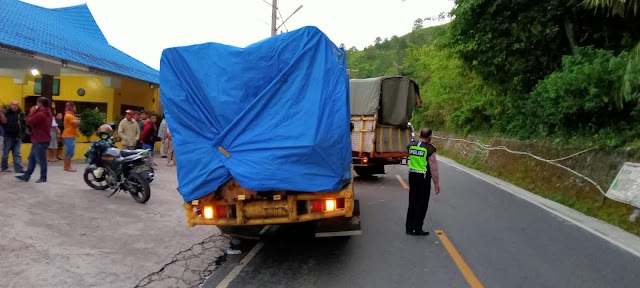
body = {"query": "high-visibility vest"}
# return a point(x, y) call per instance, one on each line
point(418, 158)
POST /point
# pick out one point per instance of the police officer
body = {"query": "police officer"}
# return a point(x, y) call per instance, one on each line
point(422, 168)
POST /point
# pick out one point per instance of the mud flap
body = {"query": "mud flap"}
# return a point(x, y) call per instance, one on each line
point(340, 226)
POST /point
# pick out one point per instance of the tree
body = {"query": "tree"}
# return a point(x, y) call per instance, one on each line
point(439, 18)
point(615, 7)
point(418, 24)
point(630, 79)
point(516, 43)
point(378, 40)
point(343, 46)
point(90, 120)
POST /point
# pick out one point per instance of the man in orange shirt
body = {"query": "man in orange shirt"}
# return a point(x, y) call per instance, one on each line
point(71, 124)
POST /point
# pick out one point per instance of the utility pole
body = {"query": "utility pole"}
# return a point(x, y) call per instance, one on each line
point(274, 17)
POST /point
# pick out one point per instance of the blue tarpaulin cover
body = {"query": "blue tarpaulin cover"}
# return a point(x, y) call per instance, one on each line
point(279, 107)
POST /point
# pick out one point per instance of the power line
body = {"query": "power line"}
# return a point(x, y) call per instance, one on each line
point(285, 25)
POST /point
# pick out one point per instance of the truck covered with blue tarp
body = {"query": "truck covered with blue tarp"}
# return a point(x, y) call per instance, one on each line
point(261, 133)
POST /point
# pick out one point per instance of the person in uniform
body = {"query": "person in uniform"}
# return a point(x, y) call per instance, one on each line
point(423, 167)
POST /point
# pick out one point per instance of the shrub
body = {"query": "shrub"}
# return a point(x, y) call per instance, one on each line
point(90, 120)
point(581, 98)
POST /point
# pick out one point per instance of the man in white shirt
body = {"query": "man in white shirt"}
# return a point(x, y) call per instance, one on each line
point(128, 131)
point(162, 134)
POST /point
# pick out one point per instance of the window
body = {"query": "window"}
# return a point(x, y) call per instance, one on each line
point(37, 88)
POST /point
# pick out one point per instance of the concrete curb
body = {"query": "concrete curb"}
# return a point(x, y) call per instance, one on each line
point(615, 235)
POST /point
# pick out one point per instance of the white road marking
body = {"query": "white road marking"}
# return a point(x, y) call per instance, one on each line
point(236, 271)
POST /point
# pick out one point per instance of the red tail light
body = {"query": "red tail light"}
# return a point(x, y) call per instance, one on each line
point(317, 205)
point(221, 211)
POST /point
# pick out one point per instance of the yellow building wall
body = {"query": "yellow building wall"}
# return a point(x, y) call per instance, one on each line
point(9, 91)
point(95, 91)
point(94, 88)
point(136, 94)
point(130, 93)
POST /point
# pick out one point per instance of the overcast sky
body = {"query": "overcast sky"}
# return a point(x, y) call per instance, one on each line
point(143, 28)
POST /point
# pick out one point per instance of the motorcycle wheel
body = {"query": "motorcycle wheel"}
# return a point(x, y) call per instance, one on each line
point(94, 182)
point(153, 171)
point(142, 191)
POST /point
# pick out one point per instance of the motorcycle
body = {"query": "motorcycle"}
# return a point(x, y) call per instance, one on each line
point(127, 170)
point(148, 160)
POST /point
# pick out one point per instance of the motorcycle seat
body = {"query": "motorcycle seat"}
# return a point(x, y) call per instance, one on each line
point(125, 153)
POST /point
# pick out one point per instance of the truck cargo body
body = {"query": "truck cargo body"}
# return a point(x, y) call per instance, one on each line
point(261, 133)
point(373, 142)
point(380, 110)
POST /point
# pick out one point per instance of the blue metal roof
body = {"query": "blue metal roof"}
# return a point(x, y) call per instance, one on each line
point(70, 34)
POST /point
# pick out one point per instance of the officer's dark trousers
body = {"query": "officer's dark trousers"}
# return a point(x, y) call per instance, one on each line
point(419, 192)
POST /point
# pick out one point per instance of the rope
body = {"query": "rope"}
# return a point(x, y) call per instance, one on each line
point(552, 162)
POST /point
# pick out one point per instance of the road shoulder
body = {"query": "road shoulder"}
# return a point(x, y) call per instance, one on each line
point(617, 236)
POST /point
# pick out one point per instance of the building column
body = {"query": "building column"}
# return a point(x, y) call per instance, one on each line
point(47, 87)
point(111, 107)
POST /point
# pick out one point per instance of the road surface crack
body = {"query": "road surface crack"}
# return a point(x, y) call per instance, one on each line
point(188, 268)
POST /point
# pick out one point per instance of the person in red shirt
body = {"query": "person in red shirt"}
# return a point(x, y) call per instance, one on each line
point(149, 134)
point(39, 119)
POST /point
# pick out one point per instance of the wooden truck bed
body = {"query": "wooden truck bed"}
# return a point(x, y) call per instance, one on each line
point(372, 140)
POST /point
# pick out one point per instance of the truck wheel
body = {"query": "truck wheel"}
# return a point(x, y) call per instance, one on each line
point(363, 171)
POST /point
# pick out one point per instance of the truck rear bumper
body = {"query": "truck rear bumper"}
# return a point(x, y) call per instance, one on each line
point(299, 207)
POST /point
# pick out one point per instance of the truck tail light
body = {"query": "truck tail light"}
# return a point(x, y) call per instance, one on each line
point(330, 205)
point(208, 212)
point(325, 205)
point(221, 211)
point(316, 205)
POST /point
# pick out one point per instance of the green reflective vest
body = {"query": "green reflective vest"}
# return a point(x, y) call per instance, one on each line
point(418, 159)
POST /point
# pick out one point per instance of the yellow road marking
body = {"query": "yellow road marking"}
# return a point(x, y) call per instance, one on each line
point(404, 184)
point(464, 268)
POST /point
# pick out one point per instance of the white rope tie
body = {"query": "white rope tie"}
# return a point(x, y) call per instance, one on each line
point(552, 162)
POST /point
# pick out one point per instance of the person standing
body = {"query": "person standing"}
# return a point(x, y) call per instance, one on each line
point(162, 134)
point(171, 154)
point(71, 124)
point(141, 118)
point(149, 134)
point(128, 131)
point(14, 128)
point(60, 121)
point(39, 119)
point(423, 167)
point(3, 120)
point(53, 144)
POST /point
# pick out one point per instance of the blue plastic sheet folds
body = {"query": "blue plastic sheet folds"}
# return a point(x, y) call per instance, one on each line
point(279, 107)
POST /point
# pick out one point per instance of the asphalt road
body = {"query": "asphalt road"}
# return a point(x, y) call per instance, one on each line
point(503, 240)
